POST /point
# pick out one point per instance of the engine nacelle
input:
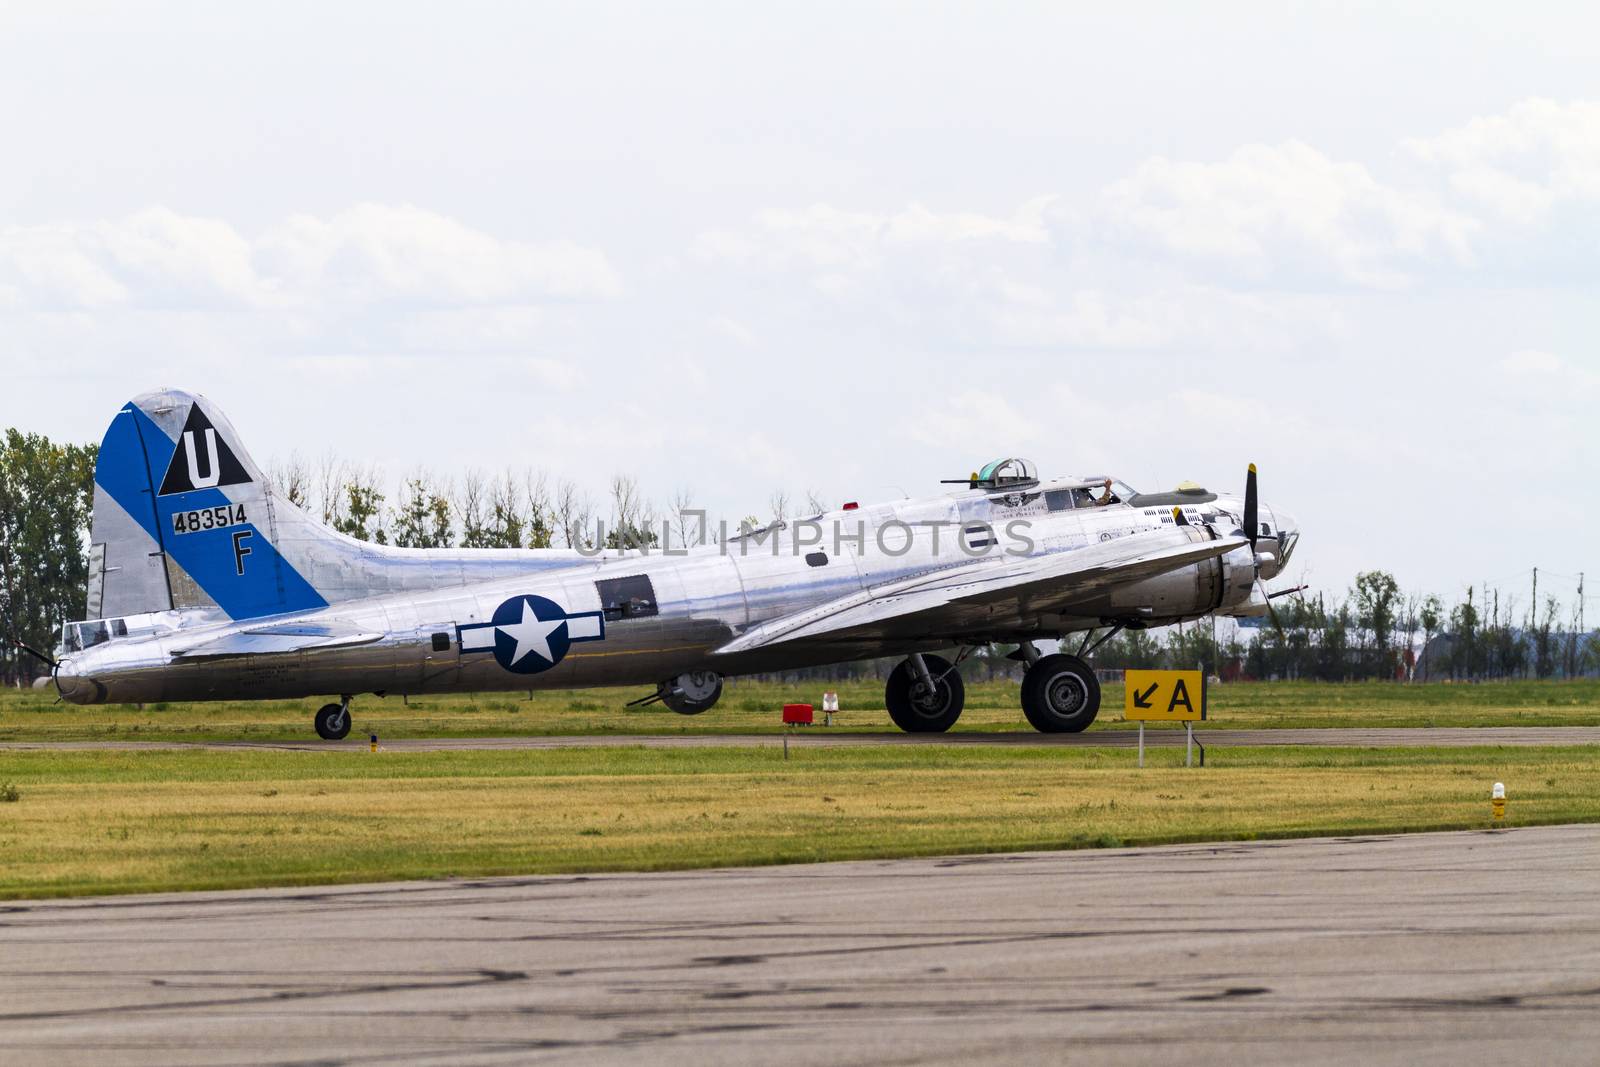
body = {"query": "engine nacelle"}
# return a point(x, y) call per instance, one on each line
point(1223, 584)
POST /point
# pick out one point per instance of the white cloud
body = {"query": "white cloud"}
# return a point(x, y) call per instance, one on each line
point(732, 329)
point(1524, 162)
point(830, 239)
point(384, 252)
point(1283, 215)
point(1530, 361)
point(158, 258)
point(983, 420)
point(1549, 375)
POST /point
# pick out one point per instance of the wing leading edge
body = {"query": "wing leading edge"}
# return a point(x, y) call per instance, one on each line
point(1037, 582)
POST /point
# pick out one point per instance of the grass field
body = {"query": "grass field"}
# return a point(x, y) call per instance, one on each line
point(98, 822)
point(754, 707)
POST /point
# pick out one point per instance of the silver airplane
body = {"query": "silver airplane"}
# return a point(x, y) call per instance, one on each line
point(207, 584)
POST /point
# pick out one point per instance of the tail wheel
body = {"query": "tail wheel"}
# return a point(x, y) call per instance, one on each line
point(1060, 695)
point(692, 692)
point(918, 710)
point(333, 722)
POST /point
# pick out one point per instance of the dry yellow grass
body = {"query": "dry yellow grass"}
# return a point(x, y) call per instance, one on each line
point(154, 821)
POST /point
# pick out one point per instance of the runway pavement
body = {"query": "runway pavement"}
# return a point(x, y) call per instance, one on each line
point(1360, 737)
point(1453, 948)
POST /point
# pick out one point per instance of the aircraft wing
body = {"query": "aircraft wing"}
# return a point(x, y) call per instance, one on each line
point(992, 584)
point(286, 637)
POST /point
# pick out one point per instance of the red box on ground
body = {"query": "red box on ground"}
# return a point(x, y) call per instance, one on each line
point(797, 715)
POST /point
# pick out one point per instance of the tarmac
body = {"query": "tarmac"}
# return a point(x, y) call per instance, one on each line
point(1155, 736)
point(1476, 947)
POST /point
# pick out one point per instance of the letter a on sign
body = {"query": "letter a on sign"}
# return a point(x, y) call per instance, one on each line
point(1180, 695)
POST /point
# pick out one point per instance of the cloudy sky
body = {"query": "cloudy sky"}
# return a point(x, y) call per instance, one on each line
point(848, 248)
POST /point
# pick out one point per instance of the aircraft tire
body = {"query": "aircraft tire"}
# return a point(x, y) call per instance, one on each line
point(333, 722)
point(1060, 695)
point(696, 681)
point(916, 712)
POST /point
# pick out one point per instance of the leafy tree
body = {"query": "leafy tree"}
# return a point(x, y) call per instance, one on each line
point(1377, 596)
point(539, 522)
point(1429, 615)
point(632, 524)
point(423, 518)
point(472, 508)
point(361, 512)
point(1464, 628)
point(46, 498)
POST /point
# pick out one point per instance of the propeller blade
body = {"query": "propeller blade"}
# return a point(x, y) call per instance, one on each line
point(36, 654)
point(1252, 524)
point(1179, 517)
point(1271, 611)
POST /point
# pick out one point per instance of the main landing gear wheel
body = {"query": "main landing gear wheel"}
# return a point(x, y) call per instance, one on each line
point(1060, 695)
point(916, 708)
point(333, 721)
point(692, 692)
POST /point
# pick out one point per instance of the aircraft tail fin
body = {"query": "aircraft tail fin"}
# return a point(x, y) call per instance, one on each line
point(183, 518)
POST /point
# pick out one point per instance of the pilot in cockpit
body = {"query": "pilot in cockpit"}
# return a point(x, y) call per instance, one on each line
point(1107, 497)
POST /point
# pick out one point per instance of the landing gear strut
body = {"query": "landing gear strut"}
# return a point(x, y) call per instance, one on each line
point(925, 695)
point(333, 720)
point(1060, 694)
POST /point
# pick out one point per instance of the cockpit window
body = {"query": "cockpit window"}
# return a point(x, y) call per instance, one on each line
point(77, 636)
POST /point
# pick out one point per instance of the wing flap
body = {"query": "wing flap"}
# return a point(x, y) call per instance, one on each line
point(990, 580)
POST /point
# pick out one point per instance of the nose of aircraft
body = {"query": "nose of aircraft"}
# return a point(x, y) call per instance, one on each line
point(72, 686)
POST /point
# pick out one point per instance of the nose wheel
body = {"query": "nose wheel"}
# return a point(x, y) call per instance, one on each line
point(333, 721)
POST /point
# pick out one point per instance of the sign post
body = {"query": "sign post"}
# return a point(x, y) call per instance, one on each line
point(1165, 696)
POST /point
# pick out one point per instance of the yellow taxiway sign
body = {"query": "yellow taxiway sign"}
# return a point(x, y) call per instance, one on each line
point(1164, 696)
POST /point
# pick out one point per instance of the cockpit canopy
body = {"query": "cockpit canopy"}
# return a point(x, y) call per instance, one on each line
point(1005, 474)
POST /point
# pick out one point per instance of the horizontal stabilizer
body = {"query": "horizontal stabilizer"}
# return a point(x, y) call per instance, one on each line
point(277, 640)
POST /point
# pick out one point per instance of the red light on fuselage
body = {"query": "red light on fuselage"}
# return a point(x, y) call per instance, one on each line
point(851, 505)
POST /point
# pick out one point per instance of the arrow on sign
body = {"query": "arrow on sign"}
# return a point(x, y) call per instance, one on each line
point(1142, 700)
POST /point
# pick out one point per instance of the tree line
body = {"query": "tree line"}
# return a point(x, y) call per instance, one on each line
point(1370, 632)
point(1375, 631)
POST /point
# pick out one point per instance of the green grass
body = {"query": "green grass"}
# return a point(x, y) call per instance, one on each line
point(750, 707)
point(130, 821)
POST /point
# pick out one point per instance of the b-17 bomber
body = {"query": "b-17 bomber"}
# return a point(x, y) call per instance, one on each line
point(206, 583)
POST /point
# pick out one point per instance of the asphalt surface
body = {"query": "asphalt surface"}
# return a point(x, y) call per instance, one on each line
point(1154, 736)
point(1479, 947)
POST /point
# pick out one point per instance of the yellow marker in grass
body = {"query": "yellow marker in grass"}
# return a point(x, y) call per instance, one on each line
point(1497, 800)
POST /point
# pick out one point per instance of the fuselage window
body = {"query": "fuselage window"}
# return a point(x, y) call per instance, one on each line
point(632, 597)
point(1058, 500)
point(817, 559)
point(441, 642)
